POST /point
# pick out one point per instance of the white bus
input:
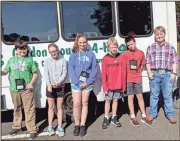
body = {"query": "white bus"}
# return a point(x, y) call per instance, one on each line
point(41, 23)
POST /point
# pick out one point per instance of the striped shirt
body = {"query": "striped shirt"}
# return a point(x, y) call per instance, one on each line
point(161, 56)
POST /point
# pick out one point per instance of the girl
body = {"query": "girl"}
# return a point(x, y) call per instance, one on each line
point(82, 73)
point(55, 72)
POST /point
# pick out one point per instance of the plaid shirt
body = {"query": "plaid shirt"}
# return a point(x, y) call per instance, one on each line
point(161, 56)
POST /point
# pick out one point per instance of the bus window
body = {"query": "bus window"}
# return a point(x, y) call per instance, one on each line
point(29, 21)
point(93, 19)
point(135, 18)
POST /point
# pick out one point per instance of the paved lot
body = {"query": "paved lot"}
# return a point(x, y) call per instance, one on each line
point(161, 130)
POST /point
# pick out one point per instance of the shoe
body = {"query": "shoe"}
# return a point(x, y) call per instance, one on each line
point(76, 130)
point(116, 122)
point(14, 131)
point(172, 120)
point(146, 121)
point(134, 122)
point(83, 130)
point(50, 131)
point(60, 131)
point(150, 118)
point(33, 135)
point(105, 123)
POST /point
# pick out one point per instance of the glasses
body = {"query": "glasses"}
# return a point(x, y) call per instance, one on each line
point(53, 52)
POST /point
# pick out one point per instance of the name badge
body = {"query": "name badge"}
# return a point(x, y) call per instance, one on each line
point(20, 84)
point(133, 64)
point(83, 76)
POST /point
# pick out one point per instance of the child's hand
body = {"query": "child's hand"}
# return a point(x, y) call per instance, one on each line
point(49, 88)
point(106, 92)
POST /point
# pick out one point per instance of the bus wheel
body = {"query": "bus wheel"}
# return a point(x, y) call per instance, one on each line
point(176, 98)
point(68, 104)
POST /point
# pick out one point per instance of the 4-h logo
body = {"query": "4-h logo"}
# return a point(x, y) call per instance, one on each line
point(2, 62)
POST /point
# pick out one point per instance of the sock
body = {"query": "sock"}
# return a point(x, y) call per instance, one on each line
point(106, 116)
point(143, 115)
point(133, 116)
point(113, 116)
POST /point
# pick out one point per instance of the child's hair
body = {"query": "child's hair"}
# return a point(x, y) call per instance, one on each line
point(21, 44)
point(129, 38)
point(160, 28)
point(53, 45)
point(112, 40)
point(75, 46)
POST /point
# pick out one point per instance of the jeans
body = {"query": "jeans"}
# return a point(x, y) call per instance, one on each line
point(161, 82)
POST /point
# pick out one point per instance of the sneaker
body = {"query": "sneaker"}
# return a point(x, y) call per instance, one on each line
point(60, 131)
point(83, 130)
point(76, 130)
point(134, 122)
point(146, 121)
point(105, 123)
point(33, 135)
point(172, 120)
point(116, 122)
point(50, 131)
point(14, 131)
point(150, 118)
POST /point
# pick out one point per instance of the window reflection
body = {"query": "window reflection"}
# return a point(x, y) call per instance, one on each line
point(135, 18)
point(91, 18)
point(29, 21)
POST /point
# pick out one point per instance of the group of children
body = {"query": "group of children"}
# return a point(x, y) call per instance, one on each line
point(120, 73)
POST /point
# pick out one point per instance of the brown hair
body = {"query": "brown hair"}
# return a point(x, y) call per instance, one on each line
point(20, 44)
point(75, 46)
point(53, 45)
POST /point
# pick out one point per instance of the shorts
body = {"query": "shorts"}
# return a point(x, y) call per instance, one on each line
point(56, 93)
point(134, 88)
point(75, 88)
point(113, 94)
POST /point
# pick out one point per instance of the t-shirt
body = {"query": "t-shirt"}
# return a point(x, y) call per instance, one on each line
point(135, 75)
point(18, 68)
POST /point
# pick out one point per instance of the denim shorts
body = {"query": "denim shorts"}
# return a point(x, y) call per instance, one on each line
point(75, 88)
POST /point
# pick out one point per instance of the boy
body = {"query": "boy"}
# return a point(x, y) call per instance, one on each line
point(161, 63)
point(113, 80)
point(23, 74)
point(135, 63)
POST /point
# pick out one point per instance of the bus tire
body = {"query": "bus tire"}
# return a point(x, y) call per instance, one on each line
point(176, 98)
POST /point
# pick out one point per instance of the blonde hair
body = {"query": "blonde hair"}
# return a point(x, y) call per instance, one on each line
point(160, 28)
point(75, 46)
point(112, 40)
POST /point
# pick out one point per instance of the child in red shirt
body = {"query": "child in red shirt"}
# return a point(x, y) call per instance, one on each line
point(113, 81)
point(135, 63)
